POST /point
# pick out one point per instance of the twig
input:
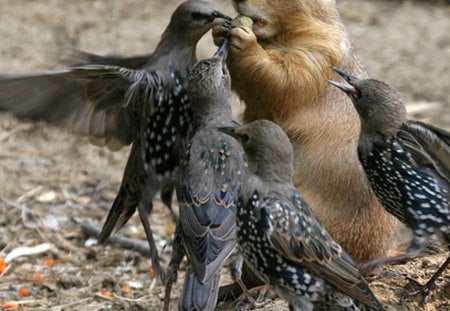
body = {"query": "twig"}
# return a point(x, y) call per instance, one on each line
point(43, 301)
point(143, 298)
point(28, 251)
point(6, 135)
point(25, 251)
point(29, 194)
point(124, 242)
point(61, 307)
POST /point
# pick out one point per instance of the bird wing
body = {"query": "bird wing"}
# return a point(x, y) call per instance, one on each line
point(78, 58)
point(102, 102)
point(207, 189)
point(297, 234)
point(428, 144)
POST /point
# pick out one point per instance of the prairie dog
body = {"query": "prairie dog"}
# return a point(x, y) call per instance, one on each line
point(280, 67)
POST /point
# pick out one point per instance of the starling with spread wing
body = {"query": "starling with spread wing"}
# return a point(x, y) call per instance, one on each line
point(407, 164)
point(119, 101)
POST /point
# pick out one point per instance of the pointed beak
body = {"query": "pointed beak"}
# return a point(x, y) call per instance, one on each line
point(223, 50)
point(350, 90)
point(231, 131)
point(228, 130)
point(217, 14)
point(348, 77)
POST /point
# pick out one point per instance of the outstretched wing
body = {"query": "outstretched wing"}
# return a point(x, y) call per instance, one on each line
point(102, 102)
point(207, 190)
point(78, 58)
point(296, 234)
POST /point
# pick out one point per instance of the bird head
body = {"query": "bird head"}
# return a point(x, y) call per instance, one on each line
point(209, 86)
point(193, 18)
point(380, 107)
point(268, 149)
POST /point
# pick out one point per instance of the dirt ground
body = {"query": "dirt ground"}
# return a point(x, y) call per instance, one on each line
point(47, 176)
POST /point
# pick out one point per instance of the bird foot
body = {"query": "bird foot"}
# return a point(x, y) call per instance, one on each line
point(262, 298)
point(425, 290)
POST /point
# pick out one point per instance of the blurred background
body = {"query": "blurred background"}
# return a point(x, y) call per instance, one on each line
point(47, 175)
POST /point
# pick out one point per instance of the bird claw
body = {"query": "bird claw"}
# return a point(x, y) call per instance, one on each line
point(261, 300)
point(426, 290)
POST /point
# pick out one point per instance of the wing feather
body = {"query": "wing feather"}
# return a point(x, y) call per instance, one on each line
point(208, 186)
point(297, 234)
point(103, 102)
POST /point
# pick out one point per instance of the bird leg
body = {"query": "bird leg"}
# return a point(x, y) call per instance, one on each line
point(143, 215)
point(166, 198)
point(430, 286)
point(395, 260)
point(236, 273)
point(172, 269)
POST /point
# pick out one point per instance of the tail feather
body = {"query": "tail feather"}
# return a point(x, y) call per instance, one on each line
point(197, 296)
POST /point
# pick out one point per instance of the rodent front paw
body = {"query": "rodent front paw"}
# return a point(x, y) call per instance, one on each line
point(241, 37)
point(221, 30)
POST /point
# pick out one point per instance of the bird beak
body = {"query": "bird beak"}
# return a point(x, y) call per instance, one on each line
point(223, 50)
point(217, 14)
point(350, 90)
point(348, 77)
point(231, 131)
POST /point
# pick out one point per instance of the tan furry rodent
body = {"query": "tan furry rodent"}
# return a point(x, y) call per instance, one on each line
point(280, 67)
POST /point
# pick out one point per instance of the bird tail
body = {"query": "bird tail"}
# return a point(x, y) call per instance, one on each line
point(197, 296)
point(121, 210)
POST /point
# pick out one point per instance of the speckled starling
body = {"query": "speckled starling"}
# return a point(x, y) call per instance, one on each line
point(118, 101)
point(207, 186)
point(280, 238)
point(406, 162)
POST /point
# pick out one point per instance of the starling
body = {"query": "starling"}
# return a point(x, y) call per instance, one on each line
point(207, 186)
point(407, 164)
point(119, 101)
point(281, 239)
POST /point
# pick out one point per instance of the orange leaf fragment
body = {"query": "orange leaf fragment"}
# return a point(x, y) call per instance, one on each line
point(105, 295)
point(49, 262)
point(9, 306)
point(126, 288)
point(2, 265)
point(24, 292)
point(38, 277)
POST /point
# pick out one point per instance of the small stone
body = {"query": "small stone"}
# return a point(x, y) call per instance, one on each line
point(242, 21)
point(425, 262)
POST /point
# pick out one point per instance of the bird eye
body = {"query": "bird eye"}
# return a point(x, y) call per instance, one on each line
point(198, 16)
point(244, 138)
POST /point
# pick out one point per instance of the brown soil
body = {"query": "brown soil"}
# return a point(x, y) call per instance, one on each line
point(48, 176)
